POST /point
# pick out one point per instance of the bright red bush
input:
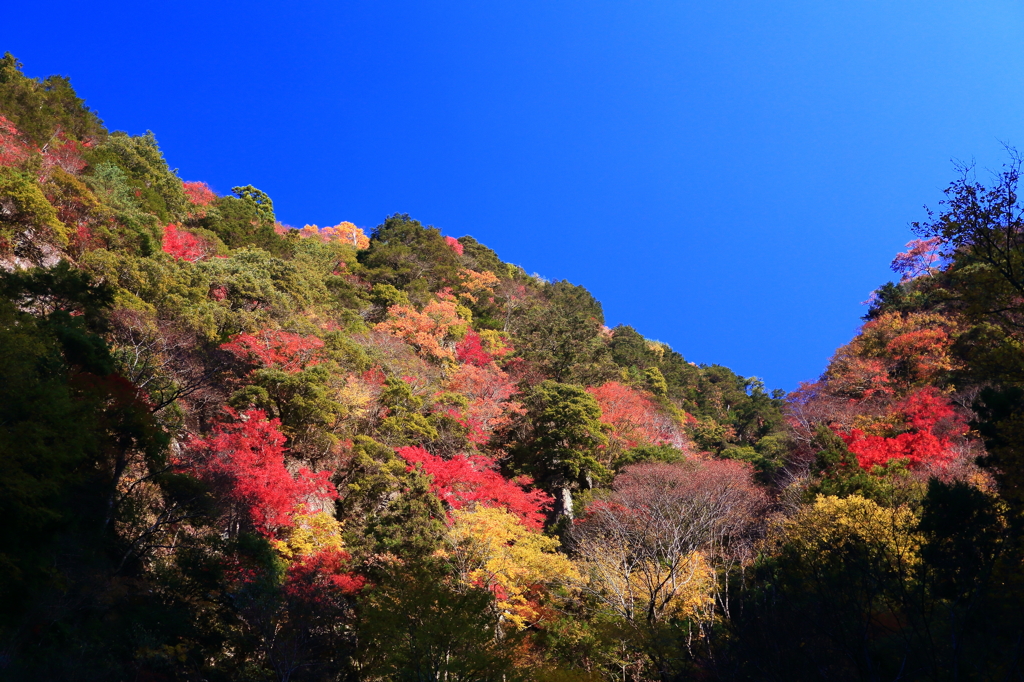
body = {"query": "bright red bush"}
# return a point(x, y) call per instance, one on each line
point(245, 461)
point(933, 424)
point(454, 244)
point(182, 244)
point(474, 479)
point(269, 348)
point(470, 350)
point(317, 578)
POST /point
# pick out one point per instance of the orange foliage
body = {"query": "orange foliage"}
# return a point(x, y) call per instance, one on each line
point(342, 232)
point(487, 390)
point(432, 331)
point(892, 355)
point(635, 419)
point(476, 283)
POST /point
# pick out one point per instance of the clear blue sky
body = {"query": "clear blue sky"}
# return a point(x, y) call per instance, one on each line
point(729, 177)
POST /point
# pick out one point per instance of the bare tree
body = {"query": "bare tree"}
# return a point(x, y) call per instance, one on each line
point(654, 549)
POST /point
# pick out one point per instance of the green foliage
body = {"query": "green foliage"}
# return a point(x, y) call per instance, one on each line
point(261, 203)
point(563, 336)
point(409, 256)
point(23, 206)
point(565, 432)
point(649, 453)
point(158, 189)
point(405, 423)
point(418, 628)
point(480, 258)
point(242, 222)
point(41, 108)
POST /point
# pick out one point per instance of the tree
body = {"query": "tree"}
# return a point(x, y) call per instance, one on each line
point(41, 108)
point(14, 150)
point(27, 220)
point(635, 419)
point(183, 245)
point(493, 549)
point(564, 337)
point(262, 203)
point(417, 627)
point(407, 255)
point(467, 480)
point(245, 461)
point(932, 425)
point(276, 348)
point(650, 551)
point(432, 331)
point(559, 440)
point(488, 405)
point(833, 586)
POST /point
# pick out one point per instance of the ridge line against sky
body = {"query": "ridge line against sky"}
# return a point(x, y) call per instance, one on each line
point(732, 179)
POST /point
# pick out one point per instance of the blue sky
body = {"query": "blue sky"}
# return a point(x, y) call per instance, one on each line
point(731, 177)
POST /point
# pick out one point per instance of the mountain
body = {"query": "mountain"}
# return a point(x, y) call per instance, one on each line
point(233, 449)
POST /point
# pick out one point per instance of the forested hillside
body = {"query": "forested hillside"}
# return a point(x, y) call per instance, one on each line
point(231, 449)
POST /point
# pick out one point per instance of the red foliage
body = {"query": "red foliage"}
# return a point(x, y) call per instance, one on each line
point(635, 418)
point(918, 260)
point(469, 350)
point(454, 244)
point(13, 148)
point(244, 460)
point(182, 244)
point(285, 350)
point(487, 390)
point(315, 579)
point(474, 479)
point(64, 153)
point(199, 193)
point(933, 424)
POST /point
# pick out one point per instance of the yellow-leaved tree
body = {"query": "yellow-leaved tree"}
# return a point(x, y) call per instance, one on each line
point(491, 548)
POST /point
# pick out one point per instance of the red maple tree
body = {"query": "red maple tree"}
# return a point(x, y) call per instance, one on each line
point(182, 244)
point(244, 460)
point(467, 479)
point(275, 348)
point(454, 244)
point(13, 147)
point(470, 350)
point(932, 425)
point(635, 418)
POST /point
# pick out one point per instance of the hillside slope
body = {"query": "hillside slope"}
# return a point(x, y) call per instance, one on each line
point(233, 450)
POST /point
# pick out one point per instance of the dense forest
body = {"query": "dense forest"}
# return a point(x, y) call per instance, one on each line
point(231, 449)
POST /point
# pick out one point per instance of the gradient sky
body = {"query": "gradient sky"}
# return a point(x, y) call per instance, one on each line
point(730, 177)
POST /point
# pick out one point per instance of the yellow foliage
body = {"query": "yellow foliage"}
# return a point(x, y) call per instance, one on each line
point(477, 283)
point(831, 523)
point(638, 589)
point(491, 548)
point(313, 532)
point(354, 395)
point(433, 331)
point(343, 232)
point(495, 343)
